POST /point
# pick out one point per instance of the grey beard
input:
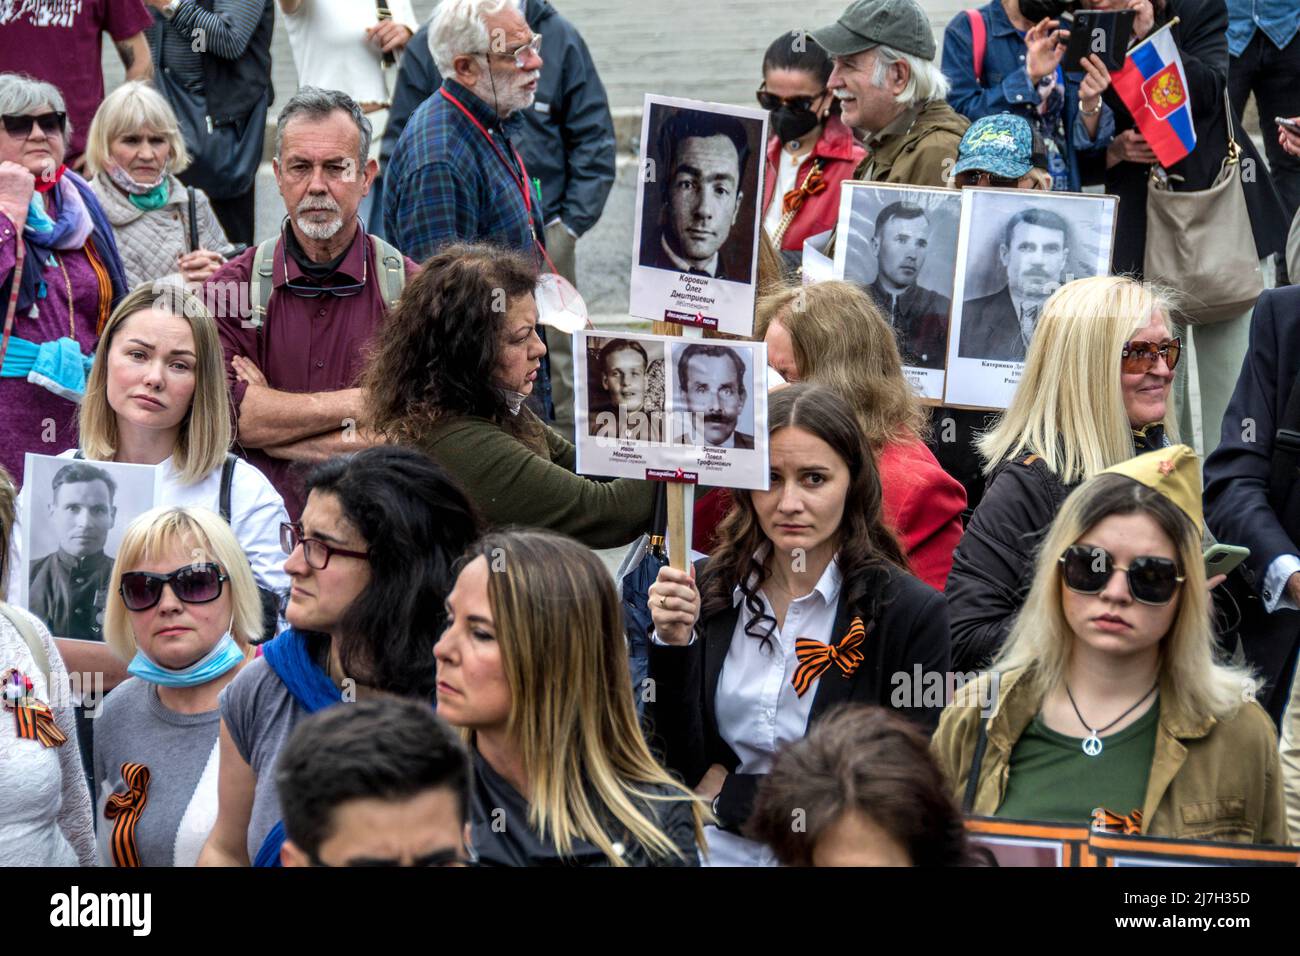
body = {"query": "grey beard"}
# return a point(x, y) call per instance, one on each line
point(321, 231)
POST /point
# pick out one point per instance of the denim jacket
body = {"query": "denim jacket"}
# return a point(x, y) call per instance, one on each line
point(1006, 87)
point(1279, 19)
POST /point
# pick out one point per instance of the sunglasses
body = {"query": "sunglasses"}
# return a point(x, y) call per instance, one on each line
point(1138, 357)
point(316, 552)
point(52, 124)
point(439, 858)
point(771, 102)
point(977, 177)
point(193, 584)
point(1151, 580)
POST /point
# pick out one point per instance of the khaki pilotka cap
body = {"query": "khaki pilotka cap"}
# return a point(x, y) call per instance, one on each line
point(1174, 471)
point(900, 24)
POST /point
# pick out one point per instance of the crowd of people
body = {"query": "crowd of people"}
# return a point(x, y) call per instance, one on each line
point(364, 624)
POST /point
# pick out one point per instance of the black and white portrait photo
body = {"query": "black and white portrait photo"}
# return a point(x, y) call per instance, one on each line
point(625, 382)
point(1016, 248)
point(697, 225)
point(900, 243)
point(74, 515)
point(714, 405)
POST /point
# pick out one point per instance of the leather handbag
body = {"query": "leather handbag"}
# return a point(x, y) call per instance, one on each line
point(1200, 243)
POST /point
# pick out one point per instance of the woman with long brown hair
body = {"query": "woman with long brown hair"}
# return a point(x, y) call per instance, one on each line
point(805, 603)
point(532, 667)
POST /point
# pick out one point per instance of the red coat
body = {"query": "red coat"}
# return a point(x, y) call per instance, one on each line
point(820, 212)
point(921, 502)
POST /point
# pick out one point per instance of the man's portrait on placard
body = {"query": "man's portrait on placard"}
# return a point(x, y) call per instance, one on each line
point(698, 213)
point(1022, 247)
point(625, 386)
point(712, 402)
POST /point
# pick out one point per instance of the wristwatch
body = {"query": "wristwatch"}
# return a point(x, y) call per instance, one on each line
point(169, 11)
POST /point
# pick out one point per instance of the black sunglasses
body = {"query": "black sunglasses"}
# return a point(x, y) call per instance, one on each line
point(977, 177)
point(1151, 580)
point(770, 101)
point(52, 124)
point(193, 584)
point(448, 857)
point(316, 552)
point(1138, 357)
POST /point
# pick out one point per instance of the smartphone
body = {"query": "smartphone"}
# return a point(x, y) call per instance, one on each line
point(1222, 558)
point(1104, 32)
point(1290, 125)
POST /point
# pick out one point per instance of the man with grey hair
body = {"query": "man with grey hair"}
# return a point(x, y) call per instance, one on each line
point(297, 312)
point(891, 90)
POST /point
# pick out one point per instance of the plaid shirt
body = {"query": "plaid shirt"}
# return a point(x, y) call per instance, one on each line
point(446, 182)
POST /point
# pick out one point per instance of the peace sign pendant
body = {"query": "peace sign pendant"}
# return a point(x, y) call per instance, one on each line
point(1092, 745)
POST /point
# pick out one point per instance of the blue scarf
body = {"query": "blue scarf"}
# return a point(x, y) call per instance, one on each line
point(223, 656)
point(290, 658)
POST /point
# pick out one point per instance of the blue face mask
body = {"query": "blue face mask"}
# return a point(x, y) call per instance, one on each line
point(207, 668)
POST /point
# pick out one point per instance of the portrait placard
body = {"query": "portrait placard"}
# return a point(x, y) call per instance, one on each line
point(899, 243)
point(1031, 843)
point(73, 516)
point(661, 407)
point(698, 204)
point(1015, 248)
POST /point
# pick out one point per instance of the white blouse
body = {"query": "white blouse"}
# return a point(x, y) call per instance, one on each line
point(330, 50)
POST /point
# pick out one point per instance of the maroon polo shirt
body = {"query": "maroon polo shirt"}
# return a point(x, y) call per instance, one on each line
point(305, 344)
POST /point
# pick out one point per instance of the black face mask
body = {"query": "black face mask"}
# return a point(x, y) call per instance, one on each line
point(1035, 10)
point(791, 124)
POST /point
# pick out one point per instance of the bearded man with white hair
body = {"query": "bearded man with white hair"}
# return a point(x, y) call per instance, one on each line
point(297, 313)
point(892, 91)
point(454, 174)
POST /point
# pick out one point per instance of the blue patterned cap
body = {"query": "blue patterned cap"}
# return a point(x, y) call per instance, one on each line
point(1002, 145)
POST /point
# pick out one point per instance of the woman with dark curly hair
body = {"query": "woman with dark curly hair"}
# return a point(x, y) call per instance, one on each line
point(458, 358)
point(804, 603)
point(867, 793)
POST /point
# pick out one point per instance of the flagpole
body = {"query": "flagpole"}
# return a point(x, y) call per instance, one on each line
point(1150, 35)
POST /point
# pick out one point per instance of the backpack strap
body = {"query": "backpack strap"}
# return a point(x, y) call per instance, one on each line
point(227, 481)
point(978, 41)
point(32, 639)
point(391, 269)
point(261, 279)
point(976, 764)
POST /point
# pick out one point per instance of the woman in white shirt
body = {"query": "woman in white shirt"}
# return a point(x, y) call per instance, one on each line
point(805, 602)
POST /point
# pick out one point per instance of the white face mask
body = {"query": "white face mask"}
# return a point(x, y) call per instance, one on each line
point(124, 182)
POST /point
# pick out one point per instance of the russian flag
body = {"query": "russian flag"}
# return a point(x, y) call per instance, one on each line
point(1153, 86)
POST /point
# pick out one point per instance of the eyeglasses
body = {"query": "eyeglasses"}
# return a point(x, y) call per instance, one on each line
point(1138, 357)
point(977, 177)
point(316, 552)
point(772, 102)
point(534, 46)
point(1151, 580)
point(52, 124)
point(448, 857)
point(193, 584)
point(313, 291)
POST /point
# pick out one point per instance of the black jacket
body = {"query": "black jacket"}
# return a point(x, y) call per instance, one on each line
point(911, 632)
point(566, 138)
point(502, 835)
point(990, 329)
point(1201, 37)
point(1239, 506)
point(993, 564)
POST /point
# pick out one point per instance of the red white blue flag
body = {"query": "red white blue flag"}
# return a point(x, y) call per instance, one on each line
point(1153, 86)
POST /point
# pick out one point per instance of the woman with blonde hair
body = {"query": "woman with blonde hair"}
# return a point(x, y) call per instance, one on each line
point(1110, 705)
point(1095, 391)
point(832, 334)
point(183, 612)
point(533, 668)
point(164, 229)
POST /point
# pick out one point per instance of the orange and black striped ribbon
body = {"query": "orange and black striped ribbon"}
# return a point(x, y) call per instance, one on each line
point(36, 722)
point(1108, 821)
point(124, 810)
point(815, 657)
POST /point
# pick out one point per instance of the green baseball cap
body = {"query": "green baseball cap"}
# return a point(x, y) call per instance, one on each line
point(900, 24)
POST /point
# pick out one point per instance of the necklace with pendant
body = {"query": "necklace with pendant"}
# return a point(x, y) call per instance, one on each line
point(1092, 743)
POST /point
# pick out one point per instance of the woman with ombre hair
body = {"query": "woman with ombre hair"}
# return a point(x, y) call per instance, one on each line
point(183, 612)
point(1095, 391)
point(1112, 705)
point(533, 668)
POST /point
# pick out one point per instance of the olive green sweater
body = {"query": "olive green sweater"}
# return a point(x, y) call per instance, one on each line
point(512, 485)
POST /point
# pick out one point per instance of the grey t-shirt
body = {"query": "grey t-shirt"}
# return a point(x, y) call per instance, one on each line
point(260, 713)
point(181, 752)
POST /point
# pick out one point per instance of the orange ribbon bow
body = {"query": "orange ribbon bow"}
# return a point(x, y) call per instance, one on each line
point(815, 657)
point(1107, 821)
point(124, 810)
point(812, 185)
point(36, 722)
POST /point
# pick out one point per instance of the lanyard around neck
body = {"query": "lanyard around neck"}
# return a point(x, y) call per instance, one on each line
point(521, 182)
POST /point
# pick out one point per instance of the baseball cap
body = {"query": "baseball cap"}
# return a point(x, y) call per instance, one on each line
point(900, 24)
point(1002, 145)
